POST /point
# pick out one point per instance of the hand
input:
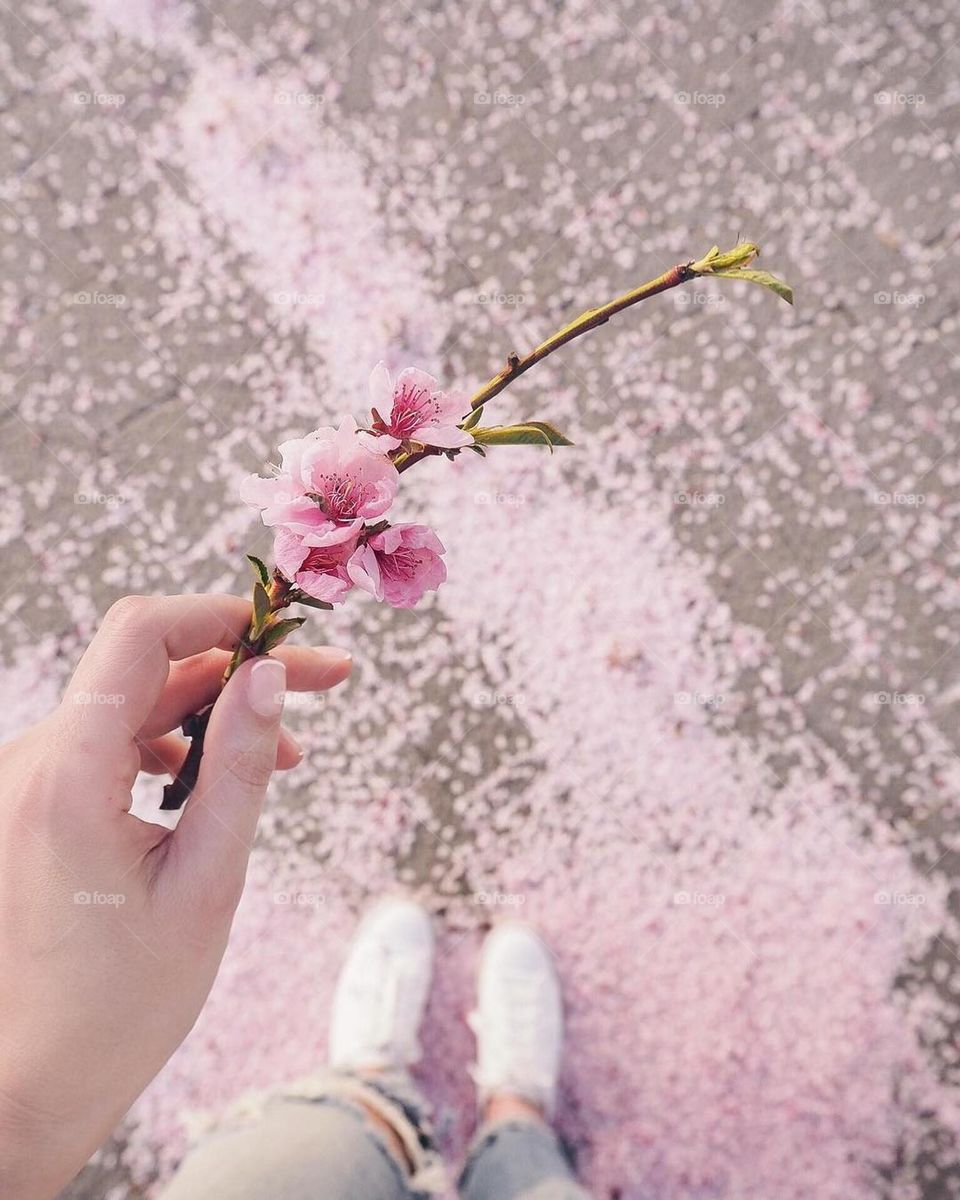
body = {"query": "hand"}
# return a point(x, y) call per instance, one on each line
point(112, 929)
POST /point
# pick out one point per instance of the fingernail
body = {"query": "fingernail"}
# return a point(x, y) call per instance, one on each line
point(266, 687)
point(339, 655)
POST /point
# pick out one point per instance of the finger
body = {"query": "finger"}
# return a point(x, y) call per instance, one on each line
point(123, 671)
point(162, 755)
point(217, 829)
point(195, 682)
point(165, 755)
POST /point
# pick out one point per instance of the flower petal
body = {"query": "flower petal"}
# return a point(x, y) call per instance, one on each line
point(378, 443)
point(413, 377)
point(381, 389)
point(259, 492)
point(323, 586)
point(332, 533)
point(288, 552)
point(301, 514)
point(364, 570)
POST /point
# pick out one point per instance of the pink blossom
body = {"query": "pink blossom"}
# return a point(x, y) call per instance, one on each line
point(399, 565)
point(320, 571)
point(419, 410)
point(328, 483)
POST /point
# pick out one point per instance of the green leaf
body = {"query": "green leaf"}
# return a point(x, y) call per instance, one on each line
point(276, 633)
point(310, 602)
point(474, 417)
point(764, 278)
point(713, 262)
point(530, 433)
point(260, 567)
point(261, 607)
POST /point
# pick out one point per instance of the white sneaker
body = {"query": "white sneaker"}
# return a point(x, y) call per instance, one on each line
point(382, 989)
point(518, 1021)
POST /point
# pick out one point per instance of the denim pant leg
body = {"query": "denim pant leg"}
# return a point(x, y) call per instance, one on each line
point(518, 1160)
point(313, 1141)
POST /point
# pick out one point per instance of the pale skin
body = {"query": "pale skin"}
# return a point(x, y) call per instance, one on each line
point(96, 995)
point(112, 929)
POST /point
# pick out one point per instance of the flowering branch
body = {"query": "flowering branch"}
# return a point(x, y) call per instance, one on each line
point(734, 264)
point(328, 498)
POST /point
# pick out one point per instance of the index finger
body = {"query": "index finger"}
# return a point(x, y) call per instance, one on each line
point(122, 672)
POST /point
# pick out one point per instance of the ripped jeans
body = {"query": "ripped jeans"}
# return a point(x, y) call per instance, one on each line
point(314, 1141)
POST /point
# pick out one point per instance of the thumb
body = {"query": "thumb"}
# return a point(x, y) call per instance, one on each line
point(216, 833)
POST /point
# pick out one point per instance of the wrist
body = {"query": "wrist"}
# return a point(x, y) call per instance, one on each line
point(40, 1151)
point(21, 1140)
